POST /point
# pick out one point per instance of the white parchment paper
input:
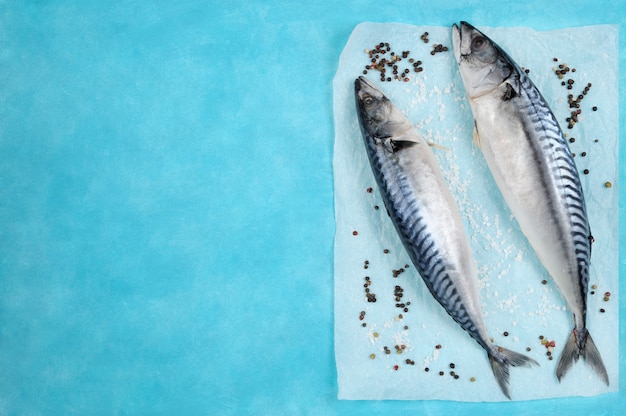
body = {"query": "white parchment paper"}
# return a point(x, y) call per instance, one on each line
point(520, 302)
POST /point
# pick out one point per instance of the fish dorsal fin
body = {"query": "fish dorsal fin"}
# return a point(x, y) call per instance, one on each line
point(476, 136)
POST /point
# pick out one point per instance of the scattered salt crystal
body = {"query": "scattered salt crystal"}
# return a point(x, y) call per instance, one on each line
point(504, 272)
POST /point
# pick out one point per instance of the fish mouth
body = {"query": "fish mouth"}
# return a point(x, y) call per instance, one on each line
point(456, 42)
point(461, 40)
point(362, 83)
point(363, 86)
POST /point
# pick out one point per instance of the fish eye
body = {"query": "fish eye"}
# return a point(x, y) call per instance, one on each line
point(368, 100)
point(478, 43)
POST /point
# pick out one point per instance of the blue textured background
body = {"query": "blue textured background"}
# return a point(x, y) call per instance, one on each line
point(166, 216)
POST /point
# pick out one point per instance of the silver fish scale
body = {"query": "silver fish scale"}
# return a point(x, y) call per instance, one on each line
point(563, 172)
point(419, 240)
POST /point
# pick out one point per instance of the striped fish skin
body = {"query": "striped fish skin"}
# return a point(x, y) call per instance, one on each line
point(533, 167)
point(426, 218)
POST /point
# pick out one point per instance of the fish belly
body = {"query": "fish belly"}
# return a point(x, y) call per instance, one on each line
point(522, 164)
point(430, 226)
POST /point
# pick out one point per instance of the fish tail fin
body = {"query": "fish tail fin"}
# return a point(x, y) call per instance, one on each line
point(501, 359)
point(580, 344)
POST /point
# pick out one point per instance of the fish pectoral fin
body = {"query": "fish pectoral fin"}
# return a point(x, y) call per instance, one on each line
point(509, 92)
point(402, 141)
point(409, 136)
point(407, 133)
point(476, 136)
point(438, 146)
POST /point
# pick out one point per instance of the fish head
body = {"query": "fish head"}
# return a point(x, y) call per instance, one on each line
point(378, 116)
point(483, 65)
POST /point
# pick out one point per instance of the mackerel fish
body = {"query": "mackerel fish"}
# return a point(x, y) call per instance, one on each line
point(534, 169)
point(427, 219)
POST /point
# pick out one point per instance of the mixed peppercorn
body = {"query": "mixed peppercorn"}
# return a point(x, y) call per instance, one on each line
point(387, 61)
